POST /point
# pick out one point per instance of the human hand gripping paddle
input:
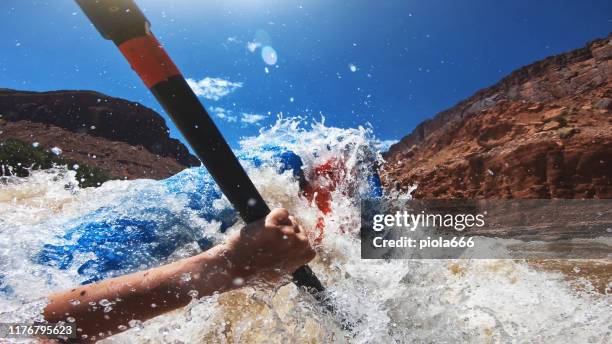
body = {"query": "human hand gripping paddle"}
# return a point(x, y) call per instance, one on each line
point(122, 22)
point(263, 251)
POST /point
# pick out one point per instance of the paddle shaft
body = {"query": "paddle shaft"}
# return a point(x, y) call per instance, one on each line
point(122, 22)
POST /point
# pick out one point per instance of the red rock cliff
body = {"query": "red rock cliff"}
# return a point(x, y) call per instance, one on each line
point(124, 139)
point(544, 131)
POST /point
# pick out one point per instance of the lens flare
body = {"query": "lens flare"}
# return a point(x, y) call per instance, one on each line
point(268, 54)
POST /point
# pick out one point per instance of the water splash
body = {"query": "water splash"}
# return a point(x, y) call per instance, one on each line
point(390, 301)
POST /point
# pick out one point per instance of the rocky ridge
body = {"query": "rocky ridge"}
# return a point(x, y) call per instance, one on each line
point(544, 131)
point(122, 138)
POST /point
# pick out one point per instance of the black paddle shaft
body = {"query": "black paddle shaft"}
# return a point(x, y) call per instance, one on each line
point(122, 22)
point(197, 127)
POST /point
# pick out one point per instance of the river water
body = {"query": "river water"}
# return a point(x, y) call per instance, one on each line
point(399, 301)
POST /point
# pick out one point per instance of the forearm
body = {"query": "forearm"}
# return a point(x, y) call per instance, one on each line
point(107, 307)
point(266, 249)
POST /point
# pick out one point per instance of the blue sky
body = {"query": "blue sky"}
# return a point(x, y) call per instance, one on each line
point(388, 63)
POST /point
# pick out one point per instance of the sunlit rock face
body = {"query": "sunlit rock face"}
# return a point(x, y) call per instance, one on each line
point(544, 131)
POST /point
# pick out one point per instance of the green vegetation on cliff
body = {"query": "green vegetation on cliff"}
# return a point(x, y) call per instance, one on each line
point(19, 158)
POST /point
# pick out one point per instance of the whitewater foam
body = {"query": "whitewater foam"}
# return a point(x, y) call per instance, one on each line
point(476, 301)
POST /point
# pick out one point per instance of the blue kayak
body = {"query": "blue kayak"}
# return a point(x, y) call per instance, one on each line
point(143, 231)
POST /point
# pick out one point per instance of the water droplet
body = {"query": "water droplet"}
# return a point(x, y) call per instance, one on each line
point(238, 281)
point(251, 202)
point(74, 302)
point(291, 99)
point(135, 323)
point(153, 305)
point(75, 166)
point(186, 277)
point(35, 144)
point(193, 294)
point(70, 319)
point(122, 327)
point(107, 309)
point(56, 150)
point(104, 302)
point(93, 127)
point(352, 67)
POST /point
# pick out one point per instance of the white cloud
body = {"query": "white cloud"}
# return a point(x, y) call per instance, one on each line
point(252, 46)
point(385, 144)
point(251, 118)
point(213, 88)
point(223, 114)
point(228, 116)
